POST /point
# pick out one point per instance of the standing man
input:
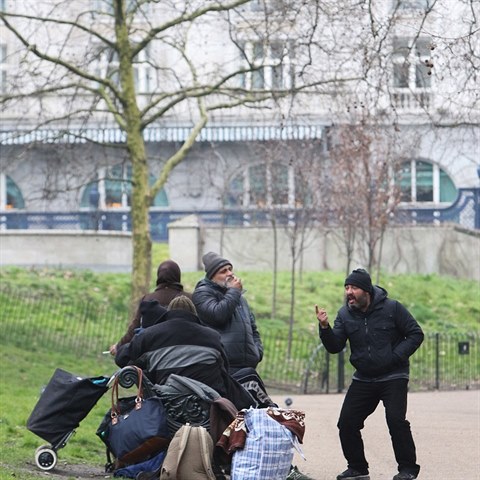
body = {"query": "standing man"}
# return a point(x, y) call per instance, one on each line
point(221, 305)
point(382, 335)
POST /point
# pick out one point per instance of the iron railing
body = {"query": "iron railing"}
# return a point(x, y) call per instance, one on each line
point(443, 362)
point(465, 211)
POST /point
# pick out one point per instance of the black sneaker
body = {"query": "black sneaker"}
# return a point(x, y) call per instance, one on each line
point(351, 474)
point(296, 474)
point(404, 476)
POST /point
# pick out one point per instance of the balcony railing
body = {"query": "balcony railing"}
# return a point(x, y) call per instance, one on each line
point(465, 212)
point(410, 101)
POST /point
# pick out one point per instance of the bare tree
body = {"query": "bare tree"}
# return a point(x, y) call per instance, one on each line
point(363, 188)
point(78, 66)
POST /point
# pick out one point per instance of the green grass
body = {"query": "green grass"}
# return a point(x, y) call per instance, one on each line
point(24, 373)
point(441, 304)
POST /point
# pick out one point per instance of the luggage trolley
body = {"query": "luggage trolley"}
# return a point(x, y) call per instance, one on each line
point(63, 404)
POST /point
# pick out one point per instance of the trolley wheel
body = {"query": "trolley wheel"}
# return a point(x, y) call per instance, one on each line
point(45, 457)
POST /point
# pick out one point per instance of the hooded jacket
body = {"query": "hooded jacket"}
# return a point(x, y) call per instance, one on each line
point(179, 344)
point(168, 287)
point(381, 339)
point(227, 311)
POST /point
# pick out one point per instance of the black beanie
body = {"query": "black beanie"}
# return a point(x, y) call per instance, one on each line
point(151, 312)
point(360, 278)
point(213, 263)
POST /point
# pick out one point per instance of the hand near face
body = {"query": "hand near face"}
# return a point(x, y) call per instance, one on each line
point(234, 282)
point(322, 316)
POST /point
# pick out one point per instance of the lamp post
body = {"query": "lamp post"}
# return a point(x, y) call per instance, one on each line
point(93, 198)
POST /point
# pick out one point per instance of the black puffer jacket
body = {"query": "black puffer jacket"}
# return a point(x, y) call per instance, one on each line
point(381, 339)
point(227, 311)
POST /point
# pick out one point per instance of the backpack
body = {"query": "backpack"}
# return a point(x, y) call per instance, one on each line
point(189, 455)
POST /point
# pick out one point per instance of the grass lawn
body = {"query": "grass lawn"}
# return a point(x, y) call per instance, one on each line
point(440, 304)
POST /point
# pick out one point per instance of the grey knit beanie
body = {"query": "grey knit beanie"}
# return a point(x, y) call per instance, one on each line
point(213, 263)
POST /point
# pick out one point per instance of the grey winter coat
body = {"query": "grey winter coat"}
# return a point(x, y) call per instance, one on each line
point(227, 311)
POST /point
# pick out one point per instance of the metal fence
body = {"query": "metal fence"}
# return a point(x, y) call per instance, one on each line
point(443, 362)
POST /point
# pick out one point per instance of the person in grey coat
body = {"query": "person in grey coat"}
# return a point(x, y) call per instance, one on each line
point(221, 305)
point(382, 335)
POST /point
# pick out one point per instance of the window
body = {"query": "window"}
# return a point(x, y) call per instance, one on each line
point(424, 182)
point(113, 190)
point(265, 186)
point(271, 63)
point(107, 67)
point(10, 195)
point(412, 4)
point(143, 72)
point(412, 70)
point(106, 7)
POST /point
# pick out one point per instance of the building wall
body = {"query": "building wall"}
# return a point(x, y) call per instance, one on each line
point(99, 251)
point(52, 177)
point(444, 250)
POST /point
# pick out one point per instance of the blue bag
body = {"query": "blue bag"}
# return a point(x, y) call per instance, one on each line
point(151, 465)
point(135, 429)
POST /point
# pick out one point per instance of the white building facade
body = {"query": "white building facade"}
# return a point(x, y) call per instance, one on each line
point(294, 75)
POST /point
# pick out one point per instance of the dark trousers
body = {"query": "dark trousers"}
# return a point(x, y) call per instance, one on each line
point(361, 400)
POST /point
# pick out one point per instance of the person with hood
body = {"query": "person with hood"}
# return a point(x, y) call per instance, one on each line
point(173, 340)
point(168, 286)
point(221, 305)
point(382, 335)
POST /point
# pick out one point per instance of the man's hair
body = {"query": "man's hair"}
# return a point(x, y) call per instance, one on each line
point(182, 303)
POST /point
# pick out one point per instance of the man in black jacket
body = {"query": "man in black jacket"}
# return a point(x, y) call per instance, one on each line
point(382, 336)
point(221, 304)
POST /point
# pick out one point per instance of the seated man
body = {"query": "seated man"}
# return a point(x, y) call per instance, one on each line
point(178, 343)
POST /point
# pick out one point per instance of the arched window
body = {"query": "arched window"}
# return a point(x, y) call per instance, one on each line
point(425, 182)
point(113, 190)
point(10, 195)
point(266, 186)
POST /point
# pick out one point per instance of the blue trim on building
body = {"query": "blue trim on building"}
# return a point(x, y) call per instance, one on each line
point(465, 212)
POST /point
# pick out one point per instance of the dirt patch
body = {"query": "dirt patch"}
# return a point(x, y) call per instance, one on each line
point(62, 471)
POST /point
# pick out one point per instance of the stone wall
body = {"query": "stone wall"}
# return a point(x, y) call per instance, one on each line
point(101, 251)
point(444, 250)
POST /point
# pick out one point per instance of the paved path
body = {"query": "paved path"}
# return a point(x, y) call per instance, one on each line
point(445, 426)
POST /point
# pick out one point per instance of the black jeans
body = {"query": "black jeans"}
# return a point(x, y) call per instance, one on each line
point(361, 400)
